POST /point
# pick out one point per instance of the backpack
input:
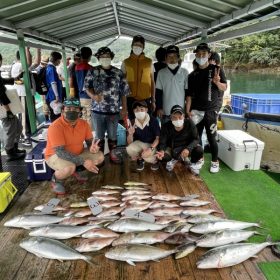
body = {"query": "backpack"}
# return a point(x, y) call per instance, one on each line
point(40, 81)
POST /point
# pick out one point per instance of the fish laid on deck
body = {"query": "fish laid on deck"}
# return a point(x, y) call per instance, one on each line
point(230, 255)
point(52, 249)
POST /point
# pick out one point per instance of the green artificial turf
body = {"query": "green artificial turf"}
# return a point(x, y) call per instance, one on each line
point(270, 270)
point(247, 195)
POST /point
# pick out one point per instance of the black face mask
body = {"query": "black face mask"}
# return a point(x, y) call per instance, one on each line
point(72, 115)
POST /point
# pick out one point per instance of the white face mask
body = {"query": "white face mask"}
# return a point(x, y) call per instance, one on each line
point(140, 115)
point(137, 50)
point(172, 66)
point(201, 60)
point(105, 61)
point(178, 123)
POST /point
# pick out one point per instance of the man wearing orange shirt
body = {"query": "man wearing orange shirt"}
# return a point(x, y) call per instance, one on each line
point(65, 150)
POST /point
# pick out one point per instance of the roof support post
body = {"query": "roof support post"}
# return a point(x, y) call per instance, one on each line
point(116, 16)
point(65, 72)
point(204, 35)
point(27, 83)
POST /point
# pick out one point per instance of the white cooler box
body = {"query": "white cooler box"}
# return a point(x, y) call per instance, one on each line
point(239, 150)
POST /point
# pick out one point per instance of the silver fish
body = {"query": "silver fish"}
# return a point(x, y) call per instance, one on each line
point(134, 202)
point(99, 232)
point(101, 198)
point(169, 219)
point(138, 253)
point(194, 202)
point(136, 197)
point(208, 227)
point(193, 212)
point(83, 213)
point(220, 238)
point(133, 183)
point(149, 237)
point(165, 211)
point(74, 221)
point(105, 192)
point(170, 197)
point(138, 208)
point(135, 192)
point(185, 250)
point(165, 204)
point(203, 218)
point(93, 245)
point(112, 187)
point(110, 212)
point(61, 231)
point(131, 224)
point(79, 204)
point(109, 204)
point(229, 255)
point(30, 221)
point(55, 209)
point(51, 249)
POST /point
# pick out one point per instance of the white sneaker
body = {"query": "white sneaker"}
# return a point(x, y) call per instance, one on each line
point(215, 167)
point(171, 164)
point(195, 167)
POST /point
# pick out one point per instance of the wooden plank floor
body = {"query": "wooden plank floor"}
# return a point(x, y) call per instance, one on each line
point(16, 263)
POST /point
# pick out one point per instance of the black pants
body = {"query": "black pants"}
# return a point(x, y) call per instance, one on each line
point(209, 122)
point(129, 103)
point(196, 154)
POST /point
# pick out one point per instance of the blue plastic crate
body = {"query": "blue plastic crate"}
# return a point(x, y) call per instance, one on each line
point(121, 135)
point(255, 102)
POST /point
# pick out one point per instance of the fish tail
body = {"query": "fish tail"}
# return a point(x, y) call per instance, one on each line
point(183, 247)
point(89, 260)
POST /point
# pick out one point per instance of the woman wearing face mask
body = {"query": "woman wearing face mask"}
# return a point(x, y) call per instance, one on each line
point(139, 72)
point(65, 146)
point(171, 86)
point(143, 137)
point(107, 87)
point(179, 141)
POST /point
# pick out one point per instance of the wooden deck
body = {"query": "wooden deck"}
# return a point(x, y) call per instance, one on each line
point(16, 263)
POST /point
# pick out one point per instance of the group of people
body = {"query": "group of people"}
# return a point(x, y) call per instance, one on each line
point(164, 108)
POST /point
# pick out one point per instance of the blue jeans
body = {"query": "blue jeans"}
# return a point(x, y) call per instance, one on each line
point(102, 123)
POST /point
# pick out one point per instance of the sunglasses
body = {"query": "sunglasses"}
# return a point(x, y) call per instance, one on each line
point(72, 103)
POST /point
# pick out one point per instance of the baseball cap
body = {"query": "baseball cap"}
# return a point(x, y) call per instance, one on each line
point(202, 47)
point(72, 102)
point(172, 49)
point(138, 38)
point(140, 104)
point(176, 109)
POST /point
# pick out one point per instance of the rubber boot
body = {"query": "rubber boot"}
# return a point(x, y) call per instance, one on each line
point(13, 155)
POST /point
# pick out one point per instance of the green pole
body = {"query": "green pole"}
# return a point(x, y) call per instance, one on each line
point(27, 83)
point(65, 72)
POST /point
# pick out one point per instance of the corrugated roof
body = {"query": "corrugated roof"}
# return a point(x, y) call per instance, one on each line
point(75, 23)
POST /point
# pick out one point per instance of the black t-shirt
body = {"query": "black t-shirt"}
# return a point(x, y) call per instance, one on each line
point(205, 94)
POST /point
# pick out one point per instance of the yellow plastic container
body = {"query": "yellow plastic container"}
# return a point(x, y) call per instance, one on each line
point(7, 190)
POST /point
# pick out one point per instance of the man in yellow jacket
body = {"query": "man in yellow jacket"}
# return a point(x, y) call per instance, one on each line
point(139, 72)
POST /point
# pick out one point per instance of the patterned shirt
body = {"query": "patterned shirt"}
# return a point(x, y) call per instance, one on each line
point(111, 84)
